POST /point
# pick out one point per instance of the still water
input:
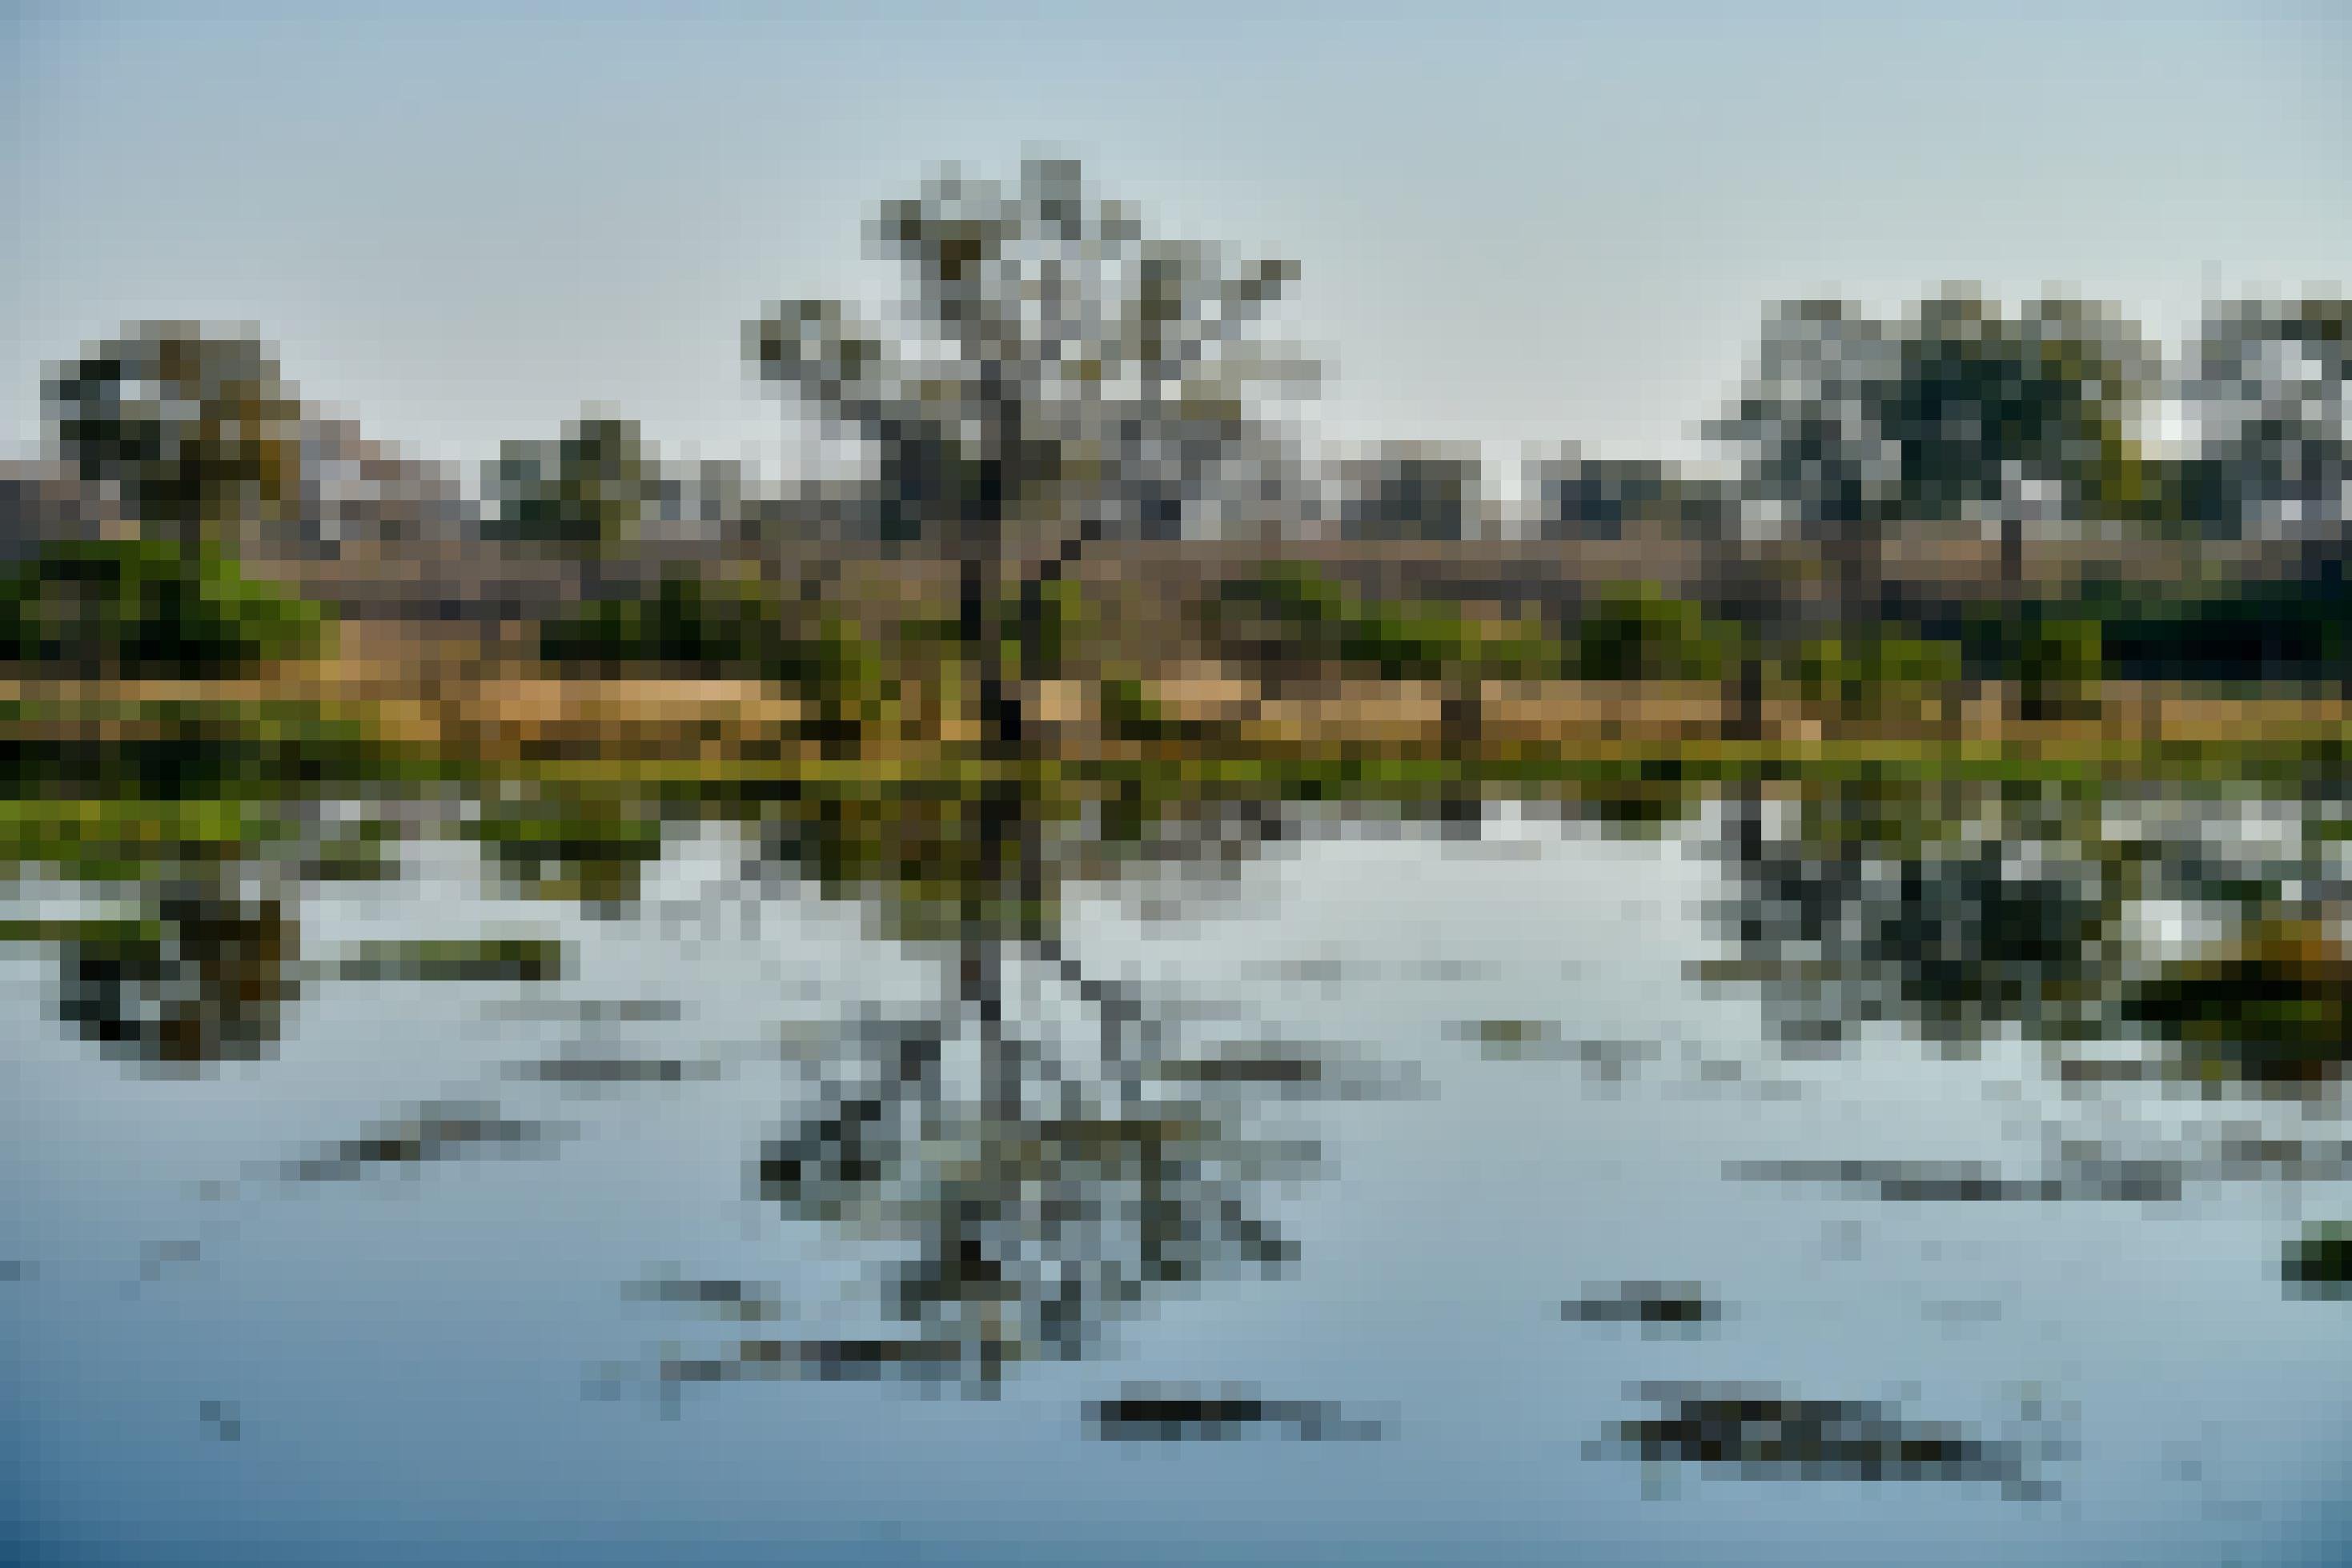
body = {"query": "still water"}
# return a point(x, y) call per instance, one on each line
point(1503, 1199)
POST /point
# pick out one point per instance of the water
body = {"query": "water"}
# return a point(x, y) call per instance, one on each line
point(246, 1322)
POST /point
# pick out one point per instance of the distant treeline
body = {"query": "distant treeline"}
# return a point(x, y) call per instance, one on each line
point(1057, 377)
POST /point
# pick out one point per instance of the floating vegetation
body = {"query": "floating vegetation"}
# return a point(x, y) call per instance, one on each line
point(2318, 1263)
point(1657, 1305)
point(1182, 1413)
point(819, 1360)
point(1525, 1040)
point(221, 1419)
point(430, 1134)
point(156, 1257)
point(564, 1009)
point(740, 1300)
point(1512, 1037)
point(1280, 1070)
point(454, 959)
point(1267, 1065)
point(2273, 1008)
point(598, 1071)
point(592, 848)
point(1906, 1181)
point(1763, 1432)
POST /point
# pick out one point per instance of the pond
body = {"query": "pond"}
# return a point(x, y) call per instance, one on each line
point(1810, 1177)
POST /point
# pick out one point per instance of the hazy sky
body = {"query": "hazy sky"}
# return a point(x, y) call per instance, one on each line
point(1517, 222)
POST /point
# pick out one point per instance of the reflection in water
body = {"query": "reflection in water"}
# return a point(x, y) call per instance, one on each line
point(1046, 1149)
point(1038, 1157)
point(1952, 911)
point(1959, 911)
point(1033, 1175)
point(204, 977)
point(1023, 1223)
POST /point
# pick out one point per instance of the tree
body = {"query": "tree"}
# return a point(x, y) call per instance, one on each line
point(2266, 386)
point(591, 491)
point(1850, 427)
point(1995, 418)
point(1057, 374)
point(1817, 460)
point(1054, 375)
point(133, 608)
point(1811, 421)
point(195, 429)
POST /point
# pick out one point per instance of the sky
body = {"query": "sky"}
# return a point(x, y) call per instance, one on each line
point(1516, 222)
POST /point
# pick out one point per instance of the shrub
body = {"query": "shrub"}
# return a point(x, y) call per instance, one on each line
point(1639, 633)
point(1873, 674)
point(147, 607)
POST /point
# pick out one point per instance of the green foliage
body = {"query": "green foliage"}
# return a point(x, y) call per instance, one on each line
point(1873, 674)
point(1636, 632)
point(2294, 630)
point(2275, 1007)
point(1128, 714)
point(146, 607)
point(1295, 614)
point(196, 430)
point(2059, 664)
point(1853, 425)
point(2048, 392)
point(1093, 370)
point(2317, 1264)
point(1043, 627)
point(690, 627)
point(590, 491)
point(592, 846)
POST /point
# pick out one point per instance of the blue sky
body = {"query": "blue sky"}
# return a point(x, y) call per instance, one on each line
point(1515, 221)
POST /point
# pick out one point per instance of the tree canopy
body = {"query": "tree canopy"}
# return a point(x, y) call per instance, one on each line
point(1957, 412)
point(1053, 363)
point(2266, 383)
point(592, 491)
point(195, 428)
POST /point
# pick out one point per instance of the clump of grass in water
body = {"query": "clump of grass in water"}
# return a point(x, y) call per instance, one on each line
point(2274, 1008)
point(2318, 1263)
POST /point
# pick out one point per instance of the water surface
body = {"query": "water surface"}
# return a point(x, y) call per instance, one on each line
point(513, 1268)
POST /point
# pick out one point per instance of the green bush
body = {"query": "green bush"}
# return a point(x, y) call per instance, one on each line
point(148, 607)
point(1295, 614)
point(1874, 673)
point(1045, 627)
point(687, 627)
point(1639, 633)
point(693, 627)
point(2059, 665)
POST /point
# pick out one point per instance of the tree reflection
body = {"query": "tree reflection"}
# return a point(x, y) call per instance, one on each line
point(1955, 911)
point(1959, 911)
point(1035, 1171)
